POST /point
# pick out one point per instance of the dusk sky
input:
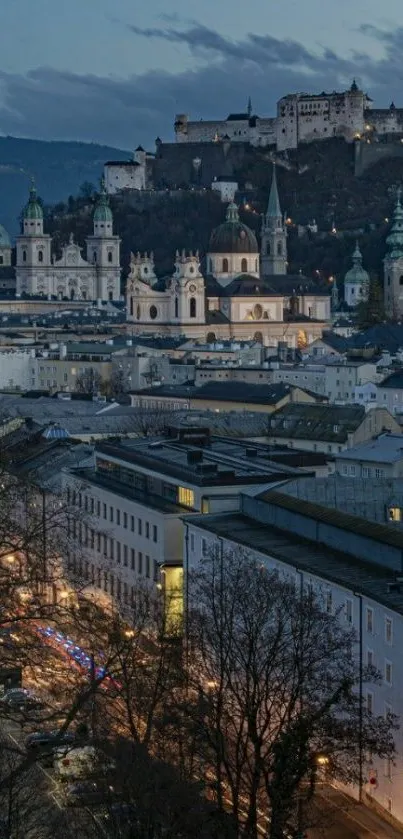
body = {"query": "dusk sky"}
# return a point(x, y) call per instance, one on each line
point(118, 72)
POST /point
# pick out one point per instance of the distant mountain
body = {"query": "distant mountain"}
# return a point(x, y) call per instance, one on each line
point(59, 169)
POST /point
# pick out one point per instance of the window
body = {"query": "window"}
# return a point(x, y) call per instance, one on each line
point(140, 562)
point(225, 265)
point(155, 533)
point(204, 547)
point(192, 542)
point(388, 769)
point(244, 265)
point(388, 630)
point(192, 307)
point(349, 610)
point(110, 513)
point(370, 620)
point(118, 552)
point(117, 516)
point(147, 530)
point(365, 472)
point(329, 602)
point(153, 312)
point(110, 256)
point(98, 508)
point(132, 558)
point(125, 520)
point(147, 566)
point(156, 571)
point(370, 658)
point(24, 256)
point(125, 555)
point(40, 256)
point(388, 672)
point(139, 526)
point(279, 249)
point(112, 548)
point(99, 542)
point(394, 514)
point(370, 702)
point(379, 473)
point(186, 497)
point(132, 524)
point(105, 511)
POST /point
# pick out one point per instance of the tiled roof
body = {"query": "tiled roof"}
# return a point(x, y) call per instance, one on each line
point(395, 381)
point(303, 421)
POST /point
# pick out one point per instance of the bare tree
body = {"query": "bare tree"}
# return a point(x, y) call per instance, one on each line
point(90, 381)
point(278, 686)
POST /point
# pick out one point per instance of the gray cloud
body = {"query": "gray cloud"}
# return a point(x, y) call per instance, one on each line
point(123, 112)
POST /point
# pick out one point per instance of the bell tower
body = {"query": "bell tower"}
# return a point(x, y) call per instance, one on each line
point(103, 250)
point(187, 290)
point(273, 258)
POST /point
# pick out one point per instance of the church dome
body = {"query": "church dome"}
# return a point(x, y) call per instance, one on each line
point(357, 275)
point(4, 238)
point(232, 236)
point(33, 209)
point(103, 212)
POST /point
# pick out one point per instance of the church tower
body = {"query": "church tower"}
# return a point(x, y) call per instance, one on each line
point(393, 263)
point(274, 235)
point(187, 298)
point(103, 250)
point(33, 266)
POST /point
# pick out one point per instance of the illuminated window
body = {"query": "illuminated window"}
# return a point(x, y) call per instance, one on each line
point(395, 514)
point(186, 497)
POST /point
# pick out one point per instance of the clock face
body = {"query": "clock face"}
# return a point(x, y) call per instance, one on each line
point(192, 288)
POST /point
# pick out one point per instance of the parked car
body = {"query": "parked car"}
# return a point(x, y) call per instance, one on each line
point(45, 743)
point(20, 699)
point(87, 793)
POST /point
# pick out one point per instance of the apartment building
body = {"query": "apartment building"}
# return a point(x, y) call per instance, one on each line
point(343, 376)
point(61, 366)
point(378, 458)
point(355, 567)
point(131, 503)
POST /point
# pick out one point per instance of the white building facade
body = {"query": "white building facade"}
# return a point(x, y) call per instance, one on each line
point(40, 273)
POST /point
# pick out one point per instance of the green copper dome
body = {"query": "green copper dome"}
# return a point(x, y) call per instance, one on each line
point(103, 212)
point(357, 275)
point(233, 236)
point(394, 241)
point(33, 209)
point(5, 241)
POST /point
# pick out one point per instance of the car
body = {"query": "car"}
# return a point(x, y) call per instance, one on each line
point(47, 740)
point(20, 699)
point(87, 793)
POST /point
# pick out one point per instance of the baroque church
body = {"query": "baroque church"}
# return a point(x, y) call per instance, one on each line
point(243, 294)
point(40, 273)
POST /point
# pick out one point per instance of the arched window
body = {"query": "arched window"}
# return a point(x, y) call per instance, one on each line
point(258, 337)
point(72, 294)
point(256, 266)
point(268, 249)
point(84, 294)
point(1, 259)
point(138, 311)
point(225, 265)
point(176, 307)
point(24, 256)
point(211, 337)
point(401, 280)
point(279, 249)
point(131, 306)
point(40, 256)
point(244, 265)
point(192, 307)
point(110, 295)
point(94, 256)
point(110, 256)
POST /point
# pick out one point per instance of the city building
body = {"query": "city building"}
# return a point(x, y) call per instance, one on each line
point(381, 457)
point(67, 367)
point(243, 296)
point(390, 393)
point(39, 272)
point(354, 566)
point(133, 499)
point(328, 428)
point(356, 281)
point(226, 187)
point(343, 375)
point(221, 397)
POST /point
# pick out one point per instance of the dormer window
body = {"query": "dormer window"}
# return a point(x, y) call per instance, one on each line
point(336, 429)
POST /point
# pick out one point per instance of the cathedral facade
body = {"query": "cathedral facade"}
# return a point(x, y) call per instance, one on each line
point(243, 294)
point(71, 276)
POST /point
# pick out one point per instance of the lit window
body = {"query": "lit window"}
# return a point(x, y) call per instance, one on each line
point(186, 497)
point(395, 513)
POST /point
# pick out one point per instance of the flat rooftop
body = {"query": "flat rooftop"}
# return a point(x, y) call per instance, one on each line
point(200, 459)
point(370, 580)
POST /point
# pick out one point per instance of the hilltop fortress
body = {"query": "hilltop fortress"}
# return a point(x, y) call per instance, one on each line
point(301, 118)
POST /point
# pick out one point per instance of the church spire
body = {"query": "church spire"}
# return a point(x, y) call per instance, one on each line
point(273, 207)
point(249, 107)
point(274, 235)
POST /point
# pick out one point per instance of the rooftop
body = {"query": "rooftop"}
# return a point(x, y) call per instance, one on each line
point(395, 380)
point(387, 448)
point(303, 421)
point(302, 554)
point(196, 458)
point(268, 394)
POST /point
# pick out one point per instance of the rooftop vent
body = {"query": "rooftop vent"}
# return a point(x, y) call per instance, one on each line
point(195, 456)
